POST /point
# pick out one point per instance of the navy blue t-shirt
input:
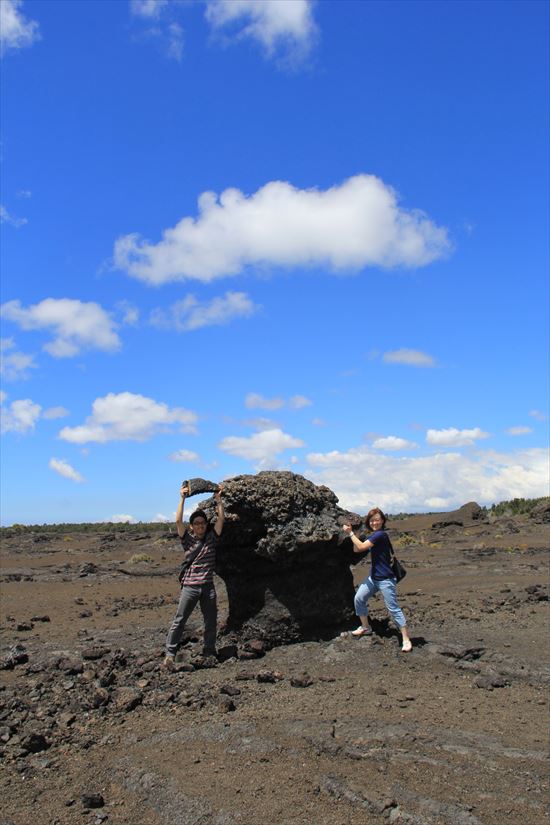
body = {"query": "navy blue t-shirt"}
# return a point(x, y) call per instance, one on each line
point(380, 556)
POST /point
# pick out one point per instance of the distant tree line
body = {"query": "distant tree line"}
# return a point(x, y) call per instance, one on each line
point(513, 507)
point(116, 529)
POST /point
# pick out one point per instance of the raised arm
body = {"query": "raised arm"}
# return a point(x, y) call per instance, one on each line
point(358, 545)
point(218, 526)
point(180, 524)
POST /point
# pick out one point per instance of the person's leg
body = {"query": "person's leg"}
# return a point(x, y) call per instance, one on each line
point(361, 602)
point(209, 609)
point(188, 599)
point(389, 593)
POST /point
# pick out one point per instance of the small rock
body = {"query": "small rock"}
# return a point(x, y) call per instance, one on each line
point(227, 652)
point(40, 619)
point(255, 646)
point(302, 681)
point(267, 677)
point(126, 699)
point(34, 743)
point(91, 653)
point(488, 681)
point(24, 626)
point(244, 676)
point(229, 690)
point(87, 568)
point(92, 800)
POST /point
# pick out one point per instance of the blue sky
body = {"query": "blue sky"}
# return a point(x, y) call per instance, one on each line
point(266, 234)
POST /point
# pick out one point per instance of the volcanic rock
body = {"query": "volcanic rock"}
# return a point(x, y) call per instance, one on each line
point(282, 550)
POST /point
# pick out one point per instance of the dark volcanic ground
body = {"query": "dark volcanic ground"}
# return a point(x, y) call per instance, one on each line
point(336, 731)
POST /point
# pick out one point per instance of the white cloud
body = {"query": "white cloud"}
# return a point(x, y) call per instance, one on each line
point(16, 31)
point(346, 228)
point(298, 402)
point(438, 503)
point(410, 357)
point(130, 313)
point(318, 422)
point(255, 401)
point(122, 518)
point(148, 8)
point(362, 478)
point(64, 469)
point(519, 430)
point(160, 518)
point(189, 313)
point(168, 33)
point(76, 325)
point(275, 25)
point(53, 413)
point(393, 442)
point(185, 455)
point(538, 415)
point(24, 193)
point(451, 437)
point(261, 423)
point(3, 396)
point(5, 216)
point(15, 365)
point(128, 417)
point(261, 448)
point(20, 417)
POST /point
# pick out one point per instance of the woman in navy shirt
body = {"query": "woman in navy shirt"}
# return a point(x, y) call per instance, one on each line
point(381, 576)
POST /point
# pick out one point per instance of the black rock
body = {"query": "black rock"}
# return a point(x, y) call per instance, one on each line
point(198, 486)
point(87, 568)
point(34, 743)
point(92, 800)
point(282, 551)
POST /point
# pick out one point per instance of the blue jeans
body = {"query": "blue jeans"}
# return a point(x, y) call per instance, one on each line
point(387, 587)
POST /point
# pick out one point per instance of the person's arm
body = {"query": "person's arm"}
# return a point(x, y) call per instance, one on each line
point(218, 526)
point(358, 545)
point(180, 524)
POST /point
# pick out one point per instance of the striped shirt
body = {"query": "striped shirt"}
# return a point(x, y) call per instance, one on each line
point(202, 567)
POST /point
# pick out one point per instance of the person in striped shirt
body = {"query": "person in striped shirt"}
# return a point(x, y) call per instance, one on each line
point(199, 540)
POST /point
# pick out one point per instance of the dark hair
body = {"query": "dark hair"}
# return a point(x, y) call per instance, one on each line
point(198, 514)
point(373, 512)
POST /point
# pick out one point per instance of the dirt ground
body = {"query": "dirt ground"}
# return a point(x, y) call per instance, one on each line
point(335, 731)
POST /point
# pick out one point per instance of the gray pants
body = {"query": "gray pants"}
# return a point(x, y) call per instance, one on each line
point(206, 595)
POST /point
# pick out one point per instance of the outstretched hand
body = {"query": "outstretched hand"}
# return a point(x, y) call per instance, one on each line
point(347, 528)
point(184, 490)
point(218, 493)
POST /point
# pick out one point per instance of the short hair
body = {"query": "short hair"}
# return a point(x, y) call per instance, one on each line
point(376, 511)
point(198, 514)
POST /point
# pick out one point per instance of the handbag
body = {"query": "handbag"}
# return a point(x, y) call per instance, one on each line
point(397, 568)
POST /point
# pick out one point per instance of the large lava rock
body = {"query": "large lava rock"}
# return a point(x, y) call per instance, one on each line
point(284, 557)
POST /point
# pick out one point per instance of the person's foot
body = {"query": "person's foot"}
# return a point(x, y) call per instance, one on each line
point(406, 647)
point(358, 632)
point(169, 663)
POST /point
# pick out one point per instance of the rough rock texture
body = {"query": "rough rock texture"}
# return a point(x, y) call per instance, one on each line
point(541, 513)
point(198, 486)
point(283, 549)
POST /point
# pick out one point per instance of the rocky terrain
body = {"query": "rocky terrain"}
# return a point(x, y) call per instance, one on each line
point(328, 729)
